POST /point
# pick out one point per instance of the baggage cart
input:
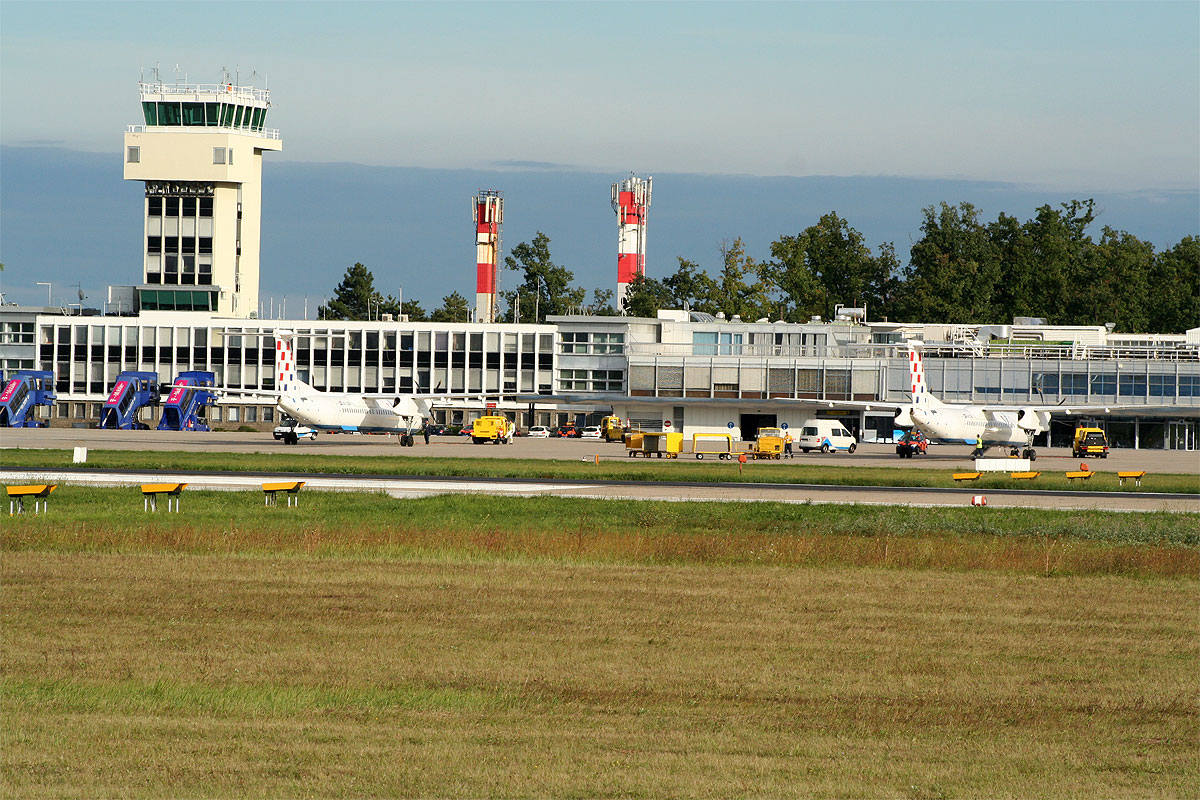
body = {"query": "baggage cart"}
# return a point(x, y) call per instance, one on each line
point(712, 444)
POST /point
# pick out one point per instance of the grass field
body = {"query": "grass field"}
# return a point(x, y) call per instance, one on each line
point(617, 469)
point(225, 676)
point(363, 646)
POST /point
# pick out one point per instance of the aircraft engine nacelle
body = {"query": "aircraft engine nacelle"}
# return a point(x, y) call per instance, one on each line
point(1033, 421)
point(903, 418)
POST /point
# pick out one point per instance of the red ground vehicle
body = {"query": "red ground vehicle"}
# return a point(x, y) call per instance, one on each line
point(912, 444)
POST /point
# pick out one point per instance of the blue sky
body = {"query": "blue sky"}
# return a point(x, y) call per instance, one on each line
point(1081, 96)
point(1008, 105)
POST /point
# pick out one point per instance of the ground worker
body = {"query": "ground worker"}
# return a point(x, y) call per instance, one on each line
point(426, 430)
point(787, 445)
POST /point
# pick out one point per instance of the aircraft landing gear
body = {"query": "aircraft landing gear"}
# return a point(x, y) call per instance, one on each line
point(1029, 453)
point(1014, 452)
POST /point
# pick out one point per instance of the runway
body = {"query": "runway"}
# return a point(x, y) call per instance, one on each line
point(407, 487)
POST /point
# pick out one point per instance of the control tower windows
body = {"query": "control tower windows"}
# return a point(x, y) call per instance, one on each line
point(193, 113)
point(169, 114)
point(211, 115)
point(133, 155)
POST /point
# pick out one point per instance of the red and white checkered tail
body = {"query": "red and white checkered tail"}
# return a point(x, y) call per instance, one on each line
point(286, 381)
point(916, 375)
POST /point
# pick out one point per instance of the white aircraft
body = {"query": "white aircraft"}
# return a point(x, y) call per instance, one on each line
point(982, 425)
point(390, 413)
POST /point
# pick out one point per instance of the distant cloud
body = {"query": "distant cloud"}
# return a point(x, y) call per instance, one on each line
point(41, 143)
point(546, 165)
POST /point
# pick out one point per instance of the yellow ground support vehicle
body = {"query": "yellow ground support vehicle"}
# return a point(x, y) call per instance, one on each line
point(712, 444)
point(494, 428)
point(612, 429)
point(659, 445)
point(1089, 442)
point(769, 443)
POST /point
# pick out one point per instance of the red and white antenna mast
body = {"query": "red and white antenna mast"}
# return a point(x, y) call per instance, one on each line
point(631, 201)
point(488, 209)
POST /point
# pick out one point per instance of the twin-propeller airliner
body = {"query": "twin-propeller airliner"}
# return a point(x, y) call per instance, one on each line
point(984, 426)
point(367, 413)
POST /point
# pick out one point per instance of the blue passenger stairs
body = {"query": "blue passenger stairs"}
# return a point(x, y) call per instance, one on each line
point(22, 394)
point(132, 392)
point(186, 406)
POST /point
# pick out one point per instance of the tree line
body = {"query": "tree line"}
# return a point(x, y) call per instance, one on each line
point(961, 270)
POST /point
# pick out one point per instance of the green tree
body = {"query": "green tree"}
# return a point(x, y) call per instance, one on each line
point(645, 296)
point(1059, 251)
point(690, 287)
point(829, 263)
point(602, 303)
point(734, 293)
point(454, 309)
point(1116, 284)
point(415, 312)
point(546, 288)
point(1175, 293)
point(389, 305)
point(354, 297)
point(953, 271)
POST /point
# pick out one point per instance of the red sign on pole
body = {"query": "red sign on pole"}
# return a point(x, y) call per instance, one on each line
point(491, 405)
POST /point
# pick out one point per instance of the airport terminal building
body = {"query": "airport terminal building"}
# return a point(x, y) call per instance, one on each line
point(199, 152)
point(680, 371)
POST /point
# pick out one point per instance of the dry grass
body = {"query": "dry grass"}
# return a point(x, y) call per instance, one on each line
point(170, 675)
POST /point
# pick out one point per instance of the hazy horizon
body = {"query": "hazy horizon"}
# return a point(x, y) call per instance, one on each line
point(69, 217)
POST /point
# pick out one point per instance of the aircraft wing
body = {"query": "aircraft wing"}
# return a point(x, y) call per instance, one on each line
point(1060, 409)
point(245, 392)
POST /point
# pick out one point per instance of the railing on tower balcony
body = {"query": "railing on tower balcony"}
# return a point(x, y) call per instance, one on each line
point(243, 94)
point(265, 133)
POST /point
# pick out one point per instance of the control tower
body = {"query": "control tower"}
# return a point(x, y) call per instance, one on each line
point(488, 206)
point(199, 152)
point(631, 201)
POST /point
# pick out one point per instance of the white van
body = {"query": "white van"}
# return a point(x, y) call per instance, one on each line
point(825, 435)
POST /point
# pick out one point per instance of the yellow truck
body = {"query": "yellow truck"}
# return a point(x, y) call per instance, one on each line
point(1089, 442)
point(612, 429)
point(769, 443)
point(493, 428)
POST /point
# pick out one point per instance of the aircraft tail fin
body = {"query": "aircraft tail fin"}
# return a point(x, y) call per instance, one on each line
point(916, 374)
point(286, 380)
